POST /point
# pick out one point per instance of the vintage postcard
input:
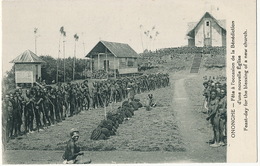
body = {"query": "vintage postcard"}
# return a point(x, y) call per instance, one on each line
point(128, 82)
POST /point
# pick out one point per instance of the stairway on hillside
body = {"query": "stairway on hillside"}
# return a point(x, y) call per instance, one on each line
point(196, 63)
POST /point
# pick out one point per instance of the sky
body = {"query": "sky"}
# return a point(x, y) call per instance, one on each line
point(94, 20)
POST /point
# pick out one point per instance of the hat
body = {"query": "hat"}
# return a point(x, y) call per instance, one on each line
point(74, 132)
point(205, 83)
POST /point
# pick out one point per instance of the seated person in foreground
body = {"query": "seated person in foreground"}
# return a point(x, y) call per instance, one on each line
point(72, 151)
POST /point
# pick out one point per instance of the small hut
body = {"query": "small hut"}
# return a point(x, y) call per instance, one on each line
point(27, 67)
point(113, 56)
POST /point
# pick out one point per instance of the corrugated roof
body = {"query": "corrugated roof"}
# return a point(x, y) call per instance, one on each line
point(120, 50)
point(27, 57)
point(193, 25)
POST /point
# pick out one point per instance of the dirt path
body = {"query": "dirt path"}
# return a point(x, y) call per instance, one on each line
point(194, 129)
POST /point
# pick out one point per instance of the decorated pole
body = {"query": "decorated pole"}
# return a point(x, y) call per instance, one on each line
point(114, 67)
point(141, 34)
point(64, 58)
point(35, 40)
point(84, 56)
point(106, 63)
point(57, 72)
point(76, 37)
point(105, 109)
point(91, 67)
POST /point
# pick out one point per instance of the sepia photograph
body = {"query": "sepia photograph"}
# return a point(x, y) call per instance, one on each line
point(118, 82)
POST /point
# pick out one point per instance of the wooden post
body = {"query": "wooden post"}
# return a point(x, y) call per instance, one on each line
point(118, 64)
point(74, 62)
point(114, 67)
point(105, 110)
point(98, 61)
point(91, 66)
point(106, 63)
point(64, 71)
point(57, 73)
point(32, 76)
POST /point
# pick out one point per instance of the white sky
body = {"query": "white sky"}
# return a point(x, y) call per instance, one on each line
point(92, 20)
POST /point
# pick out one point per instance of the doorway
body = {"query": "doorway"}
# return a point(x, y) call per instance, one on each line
point(106, 65)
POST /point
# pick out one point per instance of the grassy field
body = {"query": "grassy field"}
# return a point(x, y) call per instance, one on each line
point(153, 130)
point(174, 131)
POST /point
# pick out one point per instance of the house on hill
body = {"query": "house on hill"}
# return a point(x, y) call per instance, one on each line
point(113, 56)
point(207, 32)
point(27, 67)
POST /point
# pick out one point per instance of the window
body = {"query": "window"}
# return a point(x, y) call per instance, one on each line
point(130, 63)
point(207, 23)
point(122, 62)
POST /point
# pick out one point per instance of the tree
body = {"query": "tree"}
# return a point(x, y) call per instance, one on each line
point(9, 81)
point(48, 69)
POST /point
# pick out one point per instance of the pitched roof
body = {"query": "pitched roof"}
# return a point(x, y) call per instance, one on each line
point(193, 25)
point(27, 57)
point(120, 50)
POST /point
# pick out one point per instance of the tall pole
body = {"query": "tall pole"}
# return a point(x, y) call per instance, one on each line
point(64, 71)
point(57, 74)
point(98, 61)
point(85, 60)
point(91, 67)
point(63, 34)
point(106, 63)
point(84, 55)
point(74, 61)
point(114, 67)
point(35, 40)
point(141, 34)
point(35, 44)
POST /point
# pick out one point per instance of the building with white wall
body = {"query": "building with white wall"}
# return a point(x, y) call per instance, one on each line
point(207, 32)
point(27, 67)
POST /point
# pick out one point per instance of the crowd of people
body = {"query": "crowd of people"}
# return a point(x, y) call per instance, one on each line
point(36, 108)
point(216, 105)
point(108, 126)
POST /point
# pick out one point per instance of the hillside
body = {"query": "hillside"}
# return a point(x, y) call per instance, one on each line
point(181, 58)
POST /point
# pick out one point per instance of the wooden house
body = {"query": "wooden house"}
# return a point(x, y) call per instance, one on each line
point(27, 67)
point(113, 56)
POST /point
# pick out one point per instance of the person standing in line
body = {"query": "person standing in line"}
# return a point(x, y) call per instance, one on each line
point(214, 117)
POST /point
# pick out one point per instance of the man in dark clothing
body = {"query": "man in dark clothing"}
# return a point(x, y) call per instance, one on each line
point(72, 151)
point(73, 103)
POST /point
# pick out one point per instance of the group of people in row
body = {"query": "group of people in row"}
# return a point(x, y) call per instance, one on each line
point(108, 126)
point(36, 108)
point(216, 105)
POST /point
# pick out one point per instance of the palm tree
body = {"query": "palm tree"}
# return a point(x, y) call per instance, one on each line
point(147, 33)
point(35, 39)
point(141, 35)
point(150, 41)
point(156, 34)
point(57, 74)
point(63, 34)
point(76, 37)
